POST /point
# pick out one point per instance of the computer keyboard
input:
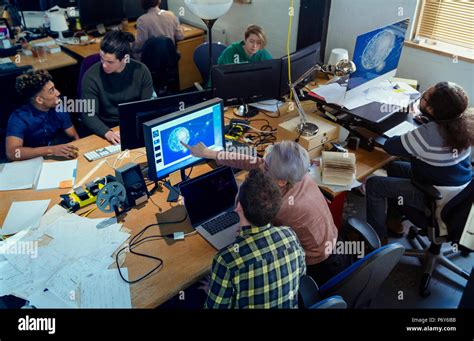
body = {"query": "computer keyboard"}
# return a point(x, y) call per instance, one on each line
point(102, 152)
point(221, 222)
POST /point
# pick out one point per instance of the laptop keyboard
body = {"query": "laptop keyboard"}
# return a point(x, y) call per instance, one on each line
point(221, 222)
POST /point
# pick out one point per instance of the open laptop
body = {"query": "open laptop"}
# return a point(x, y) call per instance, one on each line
point(210, 200)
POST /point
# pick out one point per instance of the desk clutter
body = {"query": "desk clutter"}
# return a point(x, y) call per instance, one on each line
point(64, 262)
point(37, 174)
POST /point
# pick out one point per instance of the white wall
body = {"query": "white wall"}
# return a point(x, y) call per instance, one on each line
point(349, 18)
point(272, 15)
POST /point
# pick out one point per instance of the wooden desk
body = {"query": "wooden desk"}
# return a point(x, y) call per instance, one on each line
point(53, 61)
point(184, 262)
point(188, 72)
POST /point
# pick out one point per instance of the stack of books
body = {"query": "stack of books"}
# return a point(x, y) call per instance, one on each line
point(338, 168)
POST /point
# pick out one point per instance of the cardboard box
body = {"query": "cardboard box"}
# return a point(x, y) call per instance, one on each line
point(328, 132)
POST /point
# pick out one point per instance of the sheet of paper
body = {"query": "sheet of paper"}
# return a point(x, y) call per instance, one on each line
point(406, 88)
point(23, 215)
point(53, 214)
point(271, 105)
point(356, 102)
point(20, 174)
point(44, 299)
point(388, 96)
point(57, 175)
point(105, 289)
point(400, 129)
point(332, 93)
point(65, 283)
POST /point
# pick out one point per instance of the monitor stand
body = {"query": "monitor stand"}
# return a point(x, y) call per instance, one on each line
point(174, 190)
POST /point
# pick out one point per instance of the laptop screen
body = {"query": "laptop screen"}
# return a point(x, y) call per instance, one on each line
point(209, 195)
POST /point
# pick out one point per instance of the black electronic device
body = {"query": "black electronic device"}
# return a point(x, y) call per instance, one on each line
point(132, 115)
point(106, 12)
point(165, 138)
point(300, 62)
point(241, 84)
point(83, 196)
point(131, 177)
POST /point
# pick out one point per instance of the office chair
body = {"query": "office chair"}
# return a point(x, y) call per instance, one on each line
point(308, 297)
point(160, 56)
point(201, 58)
point(359, 283)
point(86, 65)
point(454, 214)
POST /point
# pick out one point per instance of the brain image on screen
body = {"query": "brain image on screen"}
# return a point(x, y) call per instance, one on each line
point(178, 135)
point(377, 50)
point(200, 129)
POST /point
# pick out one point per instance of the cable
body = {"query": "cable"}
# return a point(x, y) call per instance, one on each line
point(136, 241)
point(290, 24)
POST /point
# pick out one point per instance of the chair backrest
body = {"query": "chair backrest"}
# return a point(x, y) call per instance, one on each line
point(85, 65)
point(359, 283)
point(201, 58)
point(160, 56)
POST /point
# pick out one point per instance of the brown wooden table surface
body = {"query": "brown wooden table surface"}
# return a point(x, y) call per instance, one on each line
point(184, 262)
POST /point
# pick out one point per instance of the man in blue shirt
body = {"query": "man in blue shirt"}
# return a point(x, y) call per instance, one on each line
point(32, 128)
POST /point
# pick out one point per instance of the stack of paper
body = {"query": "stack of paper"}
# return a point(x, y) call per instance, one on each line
point(23, 215)
point(338, 168)
point(20, 174)
point(57, 175)
point(64, 263)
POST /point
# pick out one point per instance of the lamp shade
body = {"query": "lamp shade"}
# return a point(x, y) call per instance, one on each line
point(58, 22)
point(337, 55)
point(209, 9)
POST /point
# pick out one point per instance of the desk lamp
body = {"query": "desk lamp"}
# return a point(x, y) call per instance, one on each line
point(343, 67)
point(209, 11)
point(58, 24)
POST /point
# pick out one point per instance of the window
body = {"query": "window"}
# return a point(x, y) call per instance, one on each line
point(447, 25)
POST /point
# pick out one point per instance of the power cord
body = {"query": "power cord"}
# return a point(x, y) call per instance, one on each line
point(137, 241)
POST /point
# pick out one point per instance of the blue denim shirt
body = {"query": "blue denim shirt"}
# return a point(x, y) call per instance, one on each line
point(37, 128)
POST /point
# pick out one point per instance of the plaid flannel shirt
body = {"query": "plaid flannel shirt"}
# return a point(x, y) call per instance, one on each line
point(262, 269)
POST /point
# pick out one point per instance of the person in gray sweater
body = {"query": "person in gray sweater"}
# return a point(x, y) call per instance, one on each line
point(115, 79)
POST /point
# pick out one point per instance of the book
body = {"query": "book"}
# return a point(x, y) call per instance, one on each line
point(338, 168)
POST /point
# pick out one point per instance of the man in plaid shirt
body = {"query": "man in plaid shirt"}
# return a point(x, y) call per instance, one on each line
point(262, 269)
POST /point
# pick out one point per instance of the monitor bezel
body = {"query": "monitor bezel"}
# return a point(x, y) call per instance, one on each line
point(147, 126)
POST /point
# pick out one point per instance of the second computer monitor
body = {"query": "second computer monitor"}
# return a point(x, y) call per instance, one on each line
point(300, 62)
point(247, 82)
point(163, 136)
point(94, 12)
point(132, 115)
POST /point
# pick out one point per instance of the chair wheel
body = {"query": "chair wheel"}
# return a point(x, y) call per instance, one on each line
point(425, 282)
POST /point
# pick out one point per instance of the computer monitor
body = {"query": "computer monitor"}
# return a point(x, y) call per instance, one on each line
point(200, 123)
point(95, 12)
point(300, 61)
point(132, 115)
point(247, 82)
point(376, 56)
point(133, 9)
